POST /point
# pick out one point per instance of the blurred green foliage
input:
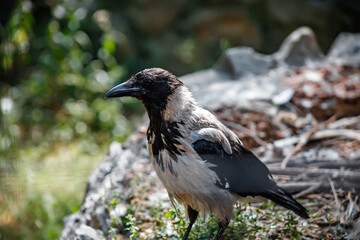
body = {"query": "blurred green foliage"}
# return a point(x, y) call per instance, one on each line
point(46, 186)
point(61, 75)
point(57, 60)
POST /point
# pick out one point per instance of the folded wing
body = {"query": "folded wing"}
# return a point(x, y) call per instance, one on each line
point(240, 171)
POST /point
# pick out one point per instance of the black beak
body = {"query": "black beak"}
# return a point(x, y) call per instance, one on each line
point(122, 90)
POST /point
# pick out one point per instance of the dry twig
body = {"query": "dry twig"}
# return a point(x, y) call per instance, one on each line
point(309, 190)
point(245, 131)
point(304, 139)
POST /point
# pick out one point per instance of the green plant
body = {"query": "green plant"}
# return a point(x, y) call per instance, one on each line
point(131, 226)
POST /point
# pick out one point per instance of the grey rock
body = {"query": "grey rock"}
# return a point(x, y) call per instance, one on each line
point(102, 218)
point(257, 76)
point(244, 61)
point(71, 224)
point(87, 233)
point(105, 182)
point(106, 166)
point(345, 50)
point(299, 48)
point(246, 91)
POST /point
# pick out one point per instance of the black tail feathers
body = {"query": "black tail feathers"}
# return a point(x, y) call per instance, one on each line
point(284, 199)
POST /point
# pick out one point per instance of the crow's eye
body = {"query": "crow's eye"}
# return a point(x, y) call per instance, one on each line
point(149, 83)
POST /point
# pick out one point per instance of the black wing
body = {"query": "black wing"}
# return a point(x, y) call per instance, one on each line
point(244, 174)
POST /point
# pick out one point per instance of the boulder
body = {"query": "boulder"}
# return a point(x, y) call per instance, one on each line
point(345, 50)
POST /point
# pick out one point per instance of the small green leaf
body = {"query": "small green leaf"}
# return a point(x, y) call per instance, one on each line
point(169, 214)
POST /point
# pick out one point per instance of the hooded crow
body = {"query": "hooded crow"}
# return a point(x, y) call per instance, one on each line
point(201, 162)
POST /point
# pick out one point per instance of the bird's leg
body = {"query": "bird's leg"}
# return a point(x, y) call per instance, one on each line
point(193, 214)
point(222, 226)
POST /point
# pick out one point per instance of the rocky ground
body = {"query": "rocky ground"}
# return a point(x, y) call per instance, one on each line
point(297, 109)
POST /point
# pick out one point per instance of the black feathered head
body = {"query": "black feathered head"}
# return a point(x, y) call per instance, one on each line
point(152, 86)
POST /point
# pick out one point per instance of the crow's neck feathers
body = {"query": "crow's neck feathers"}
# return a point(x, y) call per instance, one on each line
point(180, 105)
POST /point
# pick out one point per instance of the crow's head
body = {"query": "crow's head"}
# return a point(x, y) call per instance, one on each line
point(152, 86)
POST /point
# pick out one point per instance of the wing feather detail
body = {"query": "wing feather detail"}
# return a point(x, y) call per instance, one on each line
point(242, 173)
point(212, 135)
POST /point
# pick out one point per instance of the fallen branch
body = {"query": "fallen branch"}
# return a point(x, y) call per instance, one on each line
point(309, 190)
point(344, 122)
point(319, 163)
point(353, 164)
point(333, 133)
point(319, 135)
point(333, 173)
point(296, 187)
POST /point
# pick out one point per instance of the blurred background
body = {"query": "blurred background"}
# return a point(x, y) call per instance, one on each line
point(59, 57)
